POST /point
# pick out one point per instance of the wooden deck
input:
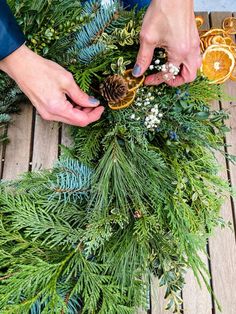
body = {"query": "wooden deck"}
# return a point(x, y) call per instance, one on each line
point(34, 145)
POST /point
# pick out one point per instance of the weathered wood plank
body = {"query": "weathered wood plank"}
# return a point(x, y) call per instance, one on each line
point(230, 89)
point(158, 303)
point(45, 145)
point(222, 245)
point(66, 140)
point(197, 300)
point(17, 152)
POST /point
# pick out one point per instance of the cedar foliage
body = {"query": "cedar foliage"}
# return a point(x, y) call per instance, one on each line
point(125, 202)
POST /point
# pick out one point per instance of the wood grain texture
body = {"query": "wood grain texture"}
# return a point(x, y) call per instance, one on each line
point(197, 300)
point(230, 89)
point(65, 137)
point(222, 245)
point(45, 145)
point(17, 153)
point(158, 303)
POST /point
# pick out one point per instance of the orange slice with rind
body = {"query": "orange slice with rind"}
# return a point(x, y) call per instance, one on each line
point(233, 74)
point(217, 64)
point(133, 82)
point(218, 40)
point(202, 46)
point(229, 25)
point(199, 21)
point(214, 32)
point(125, 102)
point(232, 48)
point(229, 41)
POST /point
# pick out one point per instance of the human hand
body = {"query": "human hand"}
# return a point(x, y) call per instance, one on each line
point(48, 87)
point(170, 25)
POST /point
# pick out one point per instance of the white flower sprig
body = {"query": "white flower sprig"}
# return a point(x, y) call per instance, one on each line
point(152, 120)
point(146, 110)
point(167, 68)
point(156, 65)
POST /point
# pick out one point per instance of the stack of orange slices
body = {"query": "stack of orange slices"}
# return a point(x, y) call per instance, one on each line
point(133, 84)
point(219, 51)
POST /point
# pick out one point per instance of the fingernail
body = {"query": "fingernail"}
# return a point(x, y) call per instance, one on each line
point(136, 70)
point(93, 100)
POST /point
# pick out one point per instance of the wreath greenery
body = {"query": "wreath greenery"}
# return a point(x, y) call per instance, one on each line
point(131, 199)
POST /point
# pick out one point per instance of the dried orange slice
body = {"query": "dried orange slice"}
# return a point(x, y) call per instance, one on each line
point(218, 40)
point(209, 40)
point(204, 41)
point(217, 64)
point(232, 48)
point(214, 32)
point(202, 32)
point(202, 46)
point(125, 102)
point(229, 25)
point(133, 82)
point(219, 46)
point(199, 21)
point(233, 74)
point(228, 41)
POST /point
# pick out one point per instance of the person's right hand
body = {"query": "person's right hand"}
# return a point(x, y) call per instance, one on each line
point(50, 88)
point(170, 24)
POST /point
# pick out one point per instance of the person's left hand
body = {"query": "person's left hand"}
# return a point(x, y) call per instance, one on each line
point(170, 25)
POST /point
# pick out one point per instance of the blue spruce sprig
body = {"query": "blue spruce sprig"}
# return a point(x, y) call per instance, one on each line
point(86, 45)
point(87, 54)
point(73, 180)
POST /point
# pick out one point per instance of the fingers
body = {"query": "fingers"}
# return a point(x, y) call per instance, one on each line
point(144, 58)
point(78, 96)
point(168, 73)
point(187, 74)
point(189, 67)
point(154, 79)
point(87, 110)
point(78, 117)
point(73, 116)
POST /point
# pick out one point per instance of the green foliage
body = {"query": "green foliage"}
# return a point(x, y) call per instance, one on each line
point(49, 27)
point(45, 22)
point(73, 180)
point(39, 261)
point(138, 193)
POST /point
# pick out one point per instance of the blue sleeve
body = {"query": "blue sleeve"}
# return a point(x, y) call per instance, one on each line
point(140, 3)
point(11, 36)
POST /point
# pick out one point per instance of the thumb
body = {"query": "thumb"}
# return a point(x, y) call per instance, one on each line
point(144, 58)
point(79, 97)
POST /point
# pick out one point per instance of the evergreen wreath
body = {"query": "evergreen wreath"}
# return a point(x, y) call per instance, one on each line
point(137, 195)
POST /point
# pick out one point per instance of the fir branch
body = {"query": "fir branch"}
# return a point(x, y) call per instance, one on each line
point(73, 181)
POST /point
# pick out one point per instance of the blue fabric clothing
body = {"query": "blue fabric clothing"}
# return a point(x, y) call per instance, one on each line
point(11, 36)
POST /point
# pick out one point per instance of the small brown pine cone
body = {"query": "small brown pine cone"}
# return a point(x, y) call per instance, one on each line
point(138, 214)
point(114, 88)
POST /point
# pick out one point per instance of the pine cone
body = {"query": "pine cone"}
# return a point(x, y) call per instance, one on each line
point(114, 88)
